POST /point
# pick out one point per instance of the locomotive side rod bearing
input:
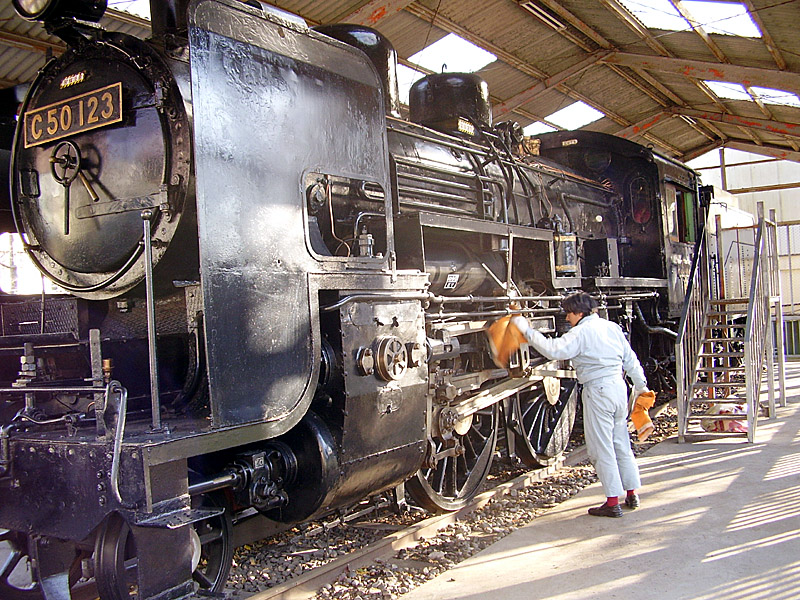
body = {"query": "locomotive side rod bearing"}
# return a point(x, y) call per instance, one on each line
point(504, 390)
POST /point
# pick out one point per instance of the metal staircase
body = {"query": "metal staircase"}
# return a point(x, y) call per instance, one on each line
point(725, 344)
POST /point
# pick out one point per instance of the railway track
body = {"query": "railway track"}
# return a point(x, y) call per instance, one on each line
point(307, 585)
point(403, 559)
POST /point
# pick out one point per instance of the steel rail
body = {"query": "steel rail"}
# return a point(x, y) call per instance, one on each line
point(306, 586)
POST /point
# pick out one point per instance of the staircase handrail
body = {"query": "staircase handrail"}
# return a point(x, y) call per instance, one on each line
point(759, 320)
point(700, 258)
point(688, 343)
point(757, 295)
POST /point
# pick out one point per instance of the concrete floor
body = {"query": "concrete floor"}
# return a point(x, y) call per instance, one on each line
point(720, 520)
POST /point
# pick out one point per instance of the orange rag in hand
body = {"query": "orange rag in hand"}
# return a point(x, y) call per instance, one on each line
point(640, 417)
point(504, 340)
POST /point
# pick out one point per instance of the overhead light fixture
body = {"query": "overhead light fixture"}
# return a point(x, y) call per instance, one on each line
point(543, 16)
point(52, 10)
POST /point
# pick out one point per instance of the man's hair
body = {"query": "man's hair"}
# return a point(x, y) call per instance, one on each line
point(580, 302)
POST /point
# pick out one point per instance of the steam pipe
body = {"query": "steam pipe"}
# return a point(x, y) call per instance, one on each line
point(654, 329)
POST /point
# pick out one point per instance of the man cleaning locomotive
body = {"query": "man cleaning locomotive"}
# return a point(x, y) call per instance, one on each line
point(599, 352)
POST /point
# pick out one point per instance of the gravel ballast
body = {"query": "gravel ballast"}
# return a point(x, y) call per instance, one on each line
point(259, 567)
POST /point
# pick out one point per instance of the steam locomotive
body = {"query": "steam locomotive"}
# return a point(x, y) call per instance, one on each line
point(275, 290)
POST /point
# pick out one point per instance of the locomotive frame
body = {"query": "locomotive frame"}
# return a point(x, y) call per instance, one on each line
point(282, 304)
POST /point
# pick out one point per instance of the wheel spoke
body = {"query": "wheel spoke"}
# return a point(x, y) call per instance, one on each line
point(11, 564)
point(456, 479)
point(212, 536)
point(203, 581)
point(543, 430)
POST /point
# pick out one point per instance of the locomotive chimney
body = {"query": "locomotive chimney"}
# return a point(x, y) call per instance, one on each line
point(380, 52)
point(168, 17)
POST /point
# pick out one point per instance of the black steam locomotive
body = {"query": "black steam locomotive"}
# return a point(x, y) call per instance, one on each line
point(276, 290)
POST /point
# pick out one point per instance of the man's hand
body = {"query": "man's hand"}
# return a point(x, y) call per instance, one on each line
point(521, 323)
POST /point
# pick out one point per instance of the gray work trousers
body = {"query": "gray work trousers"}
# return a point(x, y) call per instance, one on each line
point(605, 414)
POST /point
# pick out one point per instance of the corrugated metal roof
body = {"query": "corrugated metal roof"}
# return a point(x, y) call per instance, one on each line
point(529, 48)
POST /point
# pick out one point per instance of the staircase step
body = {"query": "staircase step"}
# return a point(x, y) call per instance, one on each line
point(728, 301)
point(701, 385)
point(722, 339)
point(739, 417)
point(720, 400)
point(725, 326)
point(723, 354)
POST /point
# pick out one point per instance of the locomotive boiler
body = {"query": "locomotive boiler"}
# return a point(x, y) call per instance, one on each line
point(274, 289)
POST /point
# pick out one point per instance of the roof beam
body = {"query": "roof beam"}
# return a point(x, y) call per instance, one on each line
point(700, 150)
point(438, 20)
point(590, 33)
point(765, 36)
point(643, 125)
point(777, 127)
point(765, 150)
point(374, 11)
point(698, 29)
point(430, 16)
point(765, 188)
point(699, 69)
point(772, 126)
point(720, 56)
point(635, 25)
point(30, 44)
point(547, 84)
point(643, 32)
point(570, 18)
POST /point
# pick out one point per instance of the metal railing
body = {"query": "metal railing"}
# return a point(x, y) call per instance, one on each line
point(690, 330)
point(758, 343)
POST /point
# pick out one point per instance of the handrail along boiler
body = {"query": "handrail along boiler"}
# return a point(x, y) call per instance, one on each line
point(275, 289)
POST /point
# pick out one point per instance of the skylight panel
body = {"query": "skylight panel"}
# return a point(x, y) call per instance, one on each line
point(770, 96)
point(657, 14)
point(734, 91)
point(575, 115)
point(727, 18)
point(731, 91)
point(454, 54)
point(536, 128)
point(405, 79)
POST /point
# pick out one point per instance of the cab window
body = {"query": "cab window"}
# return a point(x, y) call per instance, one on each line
point(681, 221)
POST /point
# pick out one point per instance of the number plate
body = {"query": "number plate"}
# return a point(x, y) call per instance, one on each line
point(87, 111)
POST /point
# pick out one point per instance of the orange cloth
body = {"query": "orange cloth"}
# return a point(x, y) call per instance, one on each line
point(504, 340)
point(640, 417)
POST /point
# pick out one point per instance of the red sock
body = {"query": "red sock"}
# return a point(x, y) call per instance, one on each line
point(631, 493)
point(612, 501)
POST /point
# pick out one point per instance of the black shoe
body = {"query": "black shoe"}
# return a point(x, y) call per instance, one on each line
point(632, 501)
point(605, 510)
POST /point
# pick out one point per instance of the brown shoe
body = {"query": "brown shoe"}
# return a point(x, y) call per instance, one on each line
point(632, 501)
point(604, 510)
